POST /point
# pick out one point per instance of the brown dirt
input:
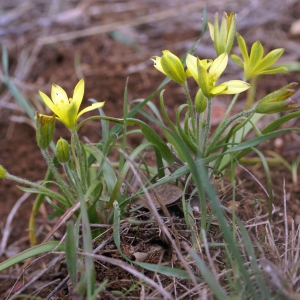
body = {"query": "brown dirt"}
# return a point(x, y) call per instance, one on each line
point(105, 62)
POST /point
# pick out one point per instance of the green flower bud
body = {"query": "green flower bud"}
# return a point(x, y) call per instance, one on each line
point(278, 101)
point(44, 130)
point(3, 172)
point(223, 38)
point(200, 102)
point(62, 151)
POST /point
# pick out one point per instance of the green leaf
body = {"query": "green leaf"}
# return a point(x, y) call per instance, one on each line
point(24, 103)
point(117, 186)
point(204, 20)
point(209, 277)
point(71, 257)
point(248, 246)
point(258, 140)
point(174, 272)
point(50, 194)
point(188, 142)
point(31, 252)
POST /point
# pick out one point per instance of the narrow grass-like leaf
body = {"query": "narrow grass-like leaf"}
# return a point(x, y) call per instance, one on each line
point(228, 237)
point(208, 276)
point(163, 109)
point(125, 112)
point(188, 142)
point(280, 159)
point(37, 203)
point(24, 103)
point(265, 294)
point(116, 189)
point(269, 180)
point(71, 257)
point(269, 129)
point(50, 194)
point(204, 20)
point(148, 132)
point(168, 271)
point(100, 288)
point(87, 242)
point(246, 147)
point(116, 227)
point(31, 252)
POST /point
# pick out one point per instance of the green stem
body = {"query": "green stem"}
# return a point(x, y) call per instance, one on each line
point(220, 131)
point(228, 111)
point(70, 177)
point(80, 160)
point(53, 194)
point(62, 184)
point(207, 126)
point(192, 111)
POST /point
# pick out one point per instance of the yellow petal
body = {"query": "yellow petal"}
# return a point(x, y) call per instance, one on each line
point(191, 63)
point(78, 94)
point(218, 90)
point(49, 103)
point(218, 66)
point(157, 63)
point(91, 107)
point(211, 30)
point(236, 86)
point(59, 96)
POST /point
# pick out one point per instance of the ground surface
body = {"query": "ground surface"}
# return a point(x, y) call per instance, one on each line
point(108, 42)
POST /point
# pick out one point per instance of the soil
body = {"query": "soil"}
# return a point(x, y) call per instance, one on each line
point(106, 59)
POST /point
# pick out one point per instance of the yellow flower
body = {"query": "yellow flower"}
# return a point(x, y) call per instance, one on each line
point(254, 63)
point(170, 65)
point(67, 109)
point(207, 74)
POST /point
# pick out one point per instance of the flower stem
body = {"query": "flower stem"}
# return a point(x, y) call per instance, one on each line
point(192, 111)
point(62, 184)
point(221, 130)
point(207, 125)
point(228, 110)
point(51, 193)
point(70, 177)
point(80, 160)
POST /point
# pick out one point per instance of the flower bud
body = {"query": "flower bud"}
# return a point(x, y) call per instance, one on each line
point(223, 38)
point(44, 130)
point(3, 172)
point(278, 101)
point(62, 151)
point(170, 65)
point(200, 102)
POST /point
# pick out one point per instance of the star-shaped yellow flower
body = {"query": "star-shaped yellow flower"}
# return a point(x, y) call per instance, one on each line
point(206, 74)
point(67, 109)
